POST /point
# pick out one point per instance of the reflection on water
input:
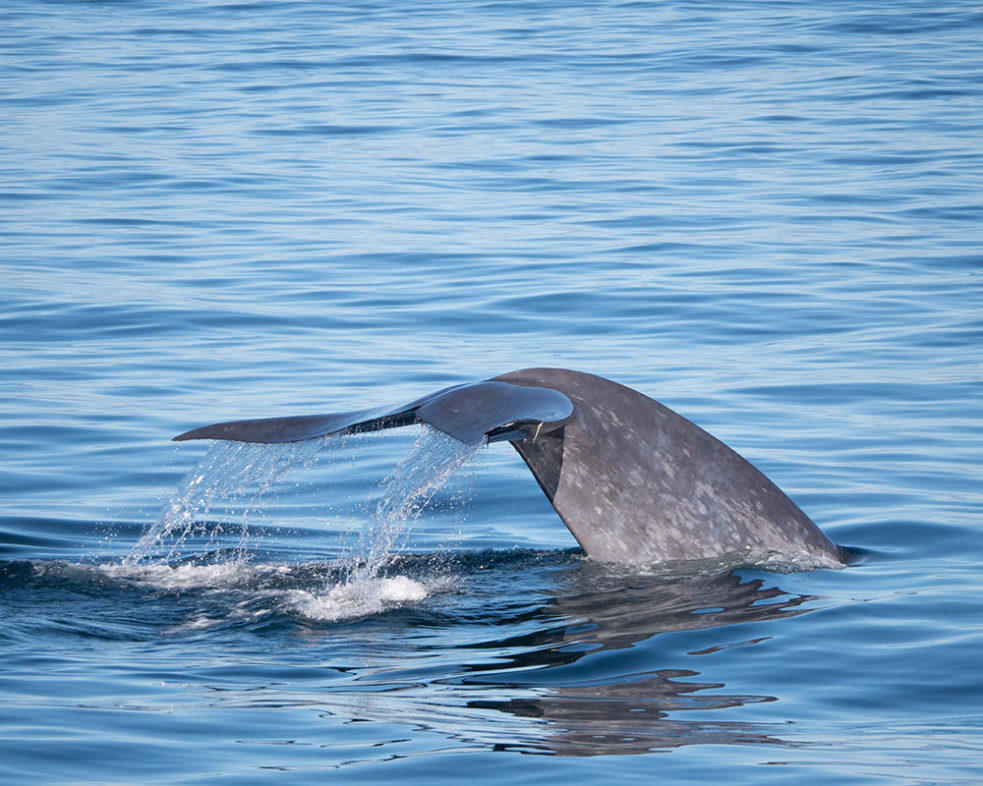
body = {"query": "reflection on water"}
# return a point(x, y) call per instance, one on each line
point(624, 609)
point(632, 714)
point(532, 683)
point(632, 717)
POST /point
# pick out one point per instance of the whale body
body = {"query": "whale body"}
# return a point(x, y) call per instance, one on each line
point(632, 480)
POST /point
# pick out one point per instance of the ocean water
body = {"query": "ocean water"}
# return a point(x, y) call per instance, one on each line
point(765, 215)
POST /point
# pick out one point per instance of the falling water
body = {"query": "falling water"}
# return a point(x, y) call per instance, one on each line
point(238, 475)
point(405, 492)
point(366, 586)
point(230, 473)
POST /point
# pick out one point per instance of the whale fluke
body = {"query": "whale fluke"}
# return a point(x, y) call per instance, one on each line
point(632, 480)
point(489, 411)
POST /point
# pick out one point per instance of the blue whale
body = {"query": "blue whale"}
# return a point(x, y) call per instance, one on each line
point(632, 480)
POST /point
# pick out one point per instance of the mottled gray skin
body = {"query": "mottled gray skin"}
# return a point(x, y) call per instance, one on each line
point(635, 482)
point(632, 480)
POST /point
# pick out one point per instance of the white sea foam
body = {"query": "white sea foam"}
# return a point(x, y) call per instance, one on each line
point(356, 599)
point(187, 576)
point(254, 598)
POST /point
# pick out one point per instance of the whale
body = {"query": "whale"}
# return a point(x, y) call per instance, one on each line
point(633, 481)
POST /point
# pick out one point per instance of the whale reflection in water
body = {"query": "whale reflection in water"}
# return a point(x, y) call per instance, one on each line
point(637, 712)
point(539, 689)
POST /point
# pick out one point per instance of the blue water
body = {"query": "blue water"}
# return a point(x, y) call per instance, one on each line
point(766, 215)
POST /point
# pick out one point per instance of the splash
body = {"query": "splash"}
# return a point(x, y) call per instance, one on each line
point(239, 475)
point(357, 598)
point(365, 588)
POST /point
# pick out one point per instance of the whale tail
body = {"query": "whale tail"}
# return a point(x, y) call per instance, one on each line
point(632, 480)
point(489, 411)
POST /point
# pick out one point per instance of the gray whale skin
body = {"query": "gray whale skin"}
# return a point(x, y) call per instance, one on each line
point(632, 480)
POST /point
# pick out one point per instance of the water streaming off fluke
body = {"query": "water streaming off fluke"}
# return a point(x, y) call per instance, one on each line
point(239, 475)
point(231, 473)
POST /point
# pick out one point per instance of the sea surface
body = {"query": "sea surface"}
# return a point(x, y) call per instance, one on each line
point(768, 216)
